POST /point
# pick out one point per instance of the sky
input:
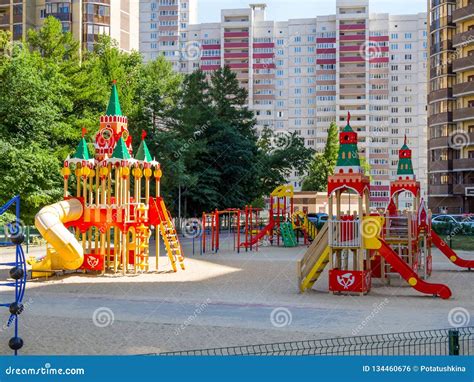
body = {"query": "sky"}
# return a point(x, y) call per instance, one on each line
point(282, 10)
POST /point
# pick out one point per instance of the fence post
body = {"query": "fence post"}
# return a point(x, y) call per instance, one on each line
point(453, 342)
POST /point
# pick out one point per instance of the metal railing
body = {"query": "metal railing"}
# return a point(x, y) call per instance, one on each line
point(344, 233)
point(459, 341)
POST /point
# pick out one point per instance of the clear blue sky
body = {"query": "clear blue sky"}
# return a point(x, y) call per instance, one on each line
point(280, 10)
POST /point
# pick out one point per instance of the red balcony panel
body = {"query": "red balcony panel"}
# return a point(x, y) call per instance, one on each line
point(350, 27)
point(236, 55)
point(328, 61)
point(327, 50)
point(378, 38)
point(379, 188)
point(210, 46)
point(351, 48)
point(235, 34)
point(352, 59)
point(322, 40)
point(210, 57)
point(236, 45)
point(263, 55)
point(263, 45)
point(239, 65)
point(264, 66)
point(354, 37)
point(210, 67)
point(378, 60)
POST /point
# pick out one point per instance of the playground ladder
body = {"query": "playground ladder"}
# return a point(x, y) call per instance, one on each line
point(170, 237)
point(312, 265)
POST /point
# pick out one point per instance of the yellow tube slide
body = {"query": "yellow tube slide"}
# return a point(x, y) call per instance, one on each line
point(50, 223)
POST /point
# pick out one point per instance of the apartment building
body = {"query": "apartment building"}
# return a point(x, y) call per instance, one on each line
point(451, 106)
point(86, 20)
point(163, 28)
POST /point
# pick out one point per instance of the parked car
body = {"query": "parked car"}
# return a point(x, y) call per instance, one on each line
point(318, 219)
point(449, 223)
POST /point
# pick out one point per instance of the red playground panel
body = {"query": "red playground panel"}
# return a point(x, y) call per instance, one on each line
point(349, 281)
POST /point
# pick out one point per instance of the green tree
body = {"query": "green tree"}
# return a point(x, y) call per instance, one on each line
point(322, 165)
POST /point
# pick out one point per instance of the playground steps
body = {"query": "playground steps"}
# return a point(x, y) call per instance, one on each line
point(312, 264)
point(170, 237)
point(288, 235)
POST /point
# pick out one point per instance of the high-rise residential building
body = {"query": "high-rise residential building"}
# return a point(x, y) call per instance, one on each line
point(85, 19)
point(163, 28)
point(451, 106)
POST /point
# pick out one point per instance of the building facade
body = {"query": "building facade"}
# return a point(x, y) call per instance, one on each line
point(85, 19)
point(451, 106)
point(303, 74)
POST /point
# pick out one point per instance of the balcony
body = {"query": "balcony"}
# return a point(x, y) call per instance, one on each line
point(440, 189)
point(466, 164)
point(236, 55)
point(5, 20)
point(462, 64)
point(351, 59)
point(460, 189)
point(61, 16)
point(463, 88)
point(440, 118)
point(441, 142)
point(235, 45)
point(440, 165)
point(236, 34)
point(463, 38)
point(463, 114)
point(440, 94)
point(351, 27)
point(4, 2)
point(356, 37)
point(257, 45)
point(351, 48)
point(464, 13)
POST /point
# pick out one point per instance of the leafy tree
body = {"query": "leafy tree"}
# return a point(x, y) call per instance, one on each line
point(322, 164)
point(280, 156)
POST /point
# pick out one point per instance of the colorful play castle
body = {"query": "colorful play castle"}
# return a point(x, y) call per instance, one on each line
point(359, 246)
point(108, 214)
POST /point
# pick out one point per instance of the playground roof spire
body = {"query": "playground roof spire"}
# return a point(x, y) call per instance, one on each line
point(121, 150)
point(405, 166)
point(348, 158)
point(82, 151)
point(143, 154)
point(114, 103)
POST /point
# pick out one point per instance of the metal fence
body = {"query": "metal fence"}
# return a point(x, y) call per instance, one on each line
point(458, 341)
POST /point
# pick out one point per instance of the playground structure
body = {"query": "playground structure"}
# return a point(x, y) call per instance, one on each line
point(253, 227)
point(107, 225)
point(359, 246)
point(17, 272)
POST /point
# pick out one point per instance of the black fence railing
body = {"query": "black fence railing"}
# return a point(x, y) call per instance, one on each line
point(458, 341)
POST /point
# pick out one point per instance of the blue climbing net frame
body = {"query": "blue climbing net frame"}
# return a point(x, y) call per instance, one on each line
point(18, 271)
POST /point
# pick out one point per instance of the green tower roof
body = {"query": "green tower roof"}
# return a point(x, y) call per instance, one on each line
point(114, 104)
point(120, 150)
point(82, 151)
point(347, 129)
point(143, 154)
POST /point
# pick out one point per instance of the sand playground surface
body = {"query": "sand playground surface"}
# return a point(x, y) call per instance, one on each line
point(220, 300)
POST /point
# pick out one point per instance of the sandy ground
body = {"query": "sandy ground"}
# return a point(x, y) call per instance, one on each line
point(223, 299)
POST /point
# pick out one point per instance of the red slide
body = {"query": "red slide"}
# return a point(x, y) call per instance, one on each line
point(260, 235)
point(410, 276)
point(449, 253)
